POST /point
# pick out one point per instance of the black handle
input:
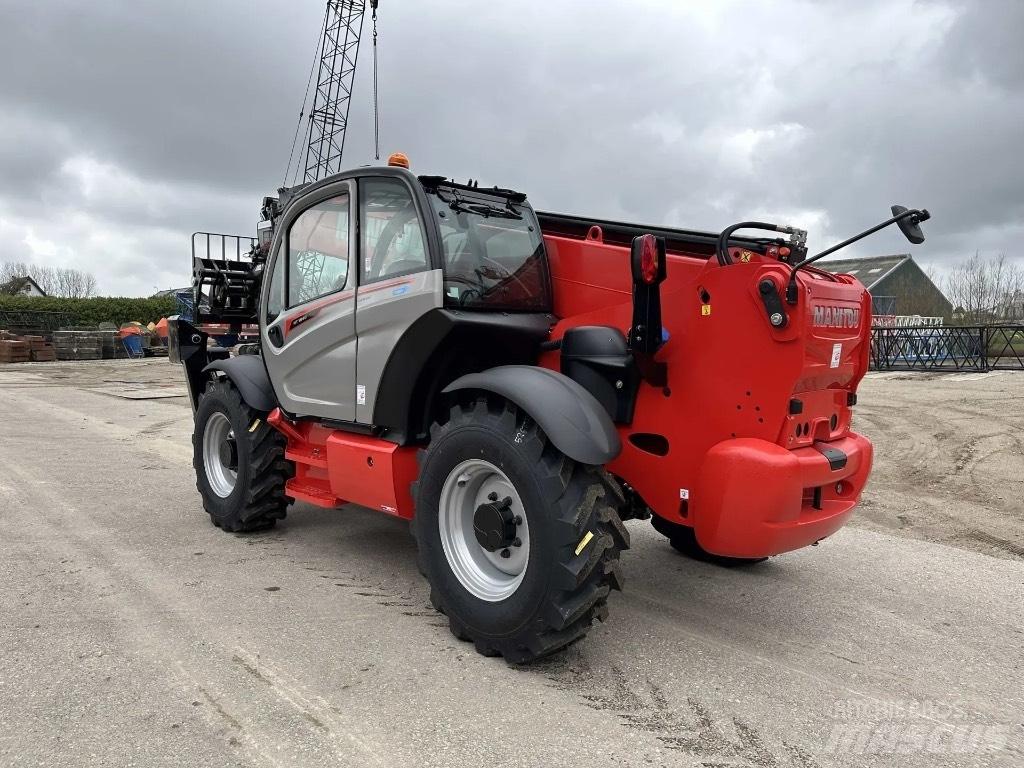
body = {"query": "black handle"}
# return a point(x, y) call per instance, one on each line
point(772, 303)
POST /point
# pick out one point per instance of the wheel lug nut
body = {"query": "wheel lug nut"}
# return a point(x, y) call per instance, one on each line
point(517, 543)
point(505, 553)
point(518, 520)
point(492, 496)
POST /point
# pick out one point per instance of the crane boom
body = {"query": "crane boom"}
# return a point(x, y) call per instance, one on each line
point(328, 119)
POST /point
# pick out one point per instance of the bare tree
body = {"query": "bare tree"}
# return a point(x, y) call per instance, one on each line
point(11, 270)
point(986, 290)
point(53, 281)
point(45, 277)
point(74, 283)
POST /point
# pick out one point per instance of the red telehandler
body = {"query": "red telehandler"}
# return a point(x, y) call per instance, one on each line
point(516, 384)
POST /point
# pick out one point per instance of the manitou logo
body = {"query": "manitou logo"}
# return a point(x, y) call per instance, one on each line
point(826, 316)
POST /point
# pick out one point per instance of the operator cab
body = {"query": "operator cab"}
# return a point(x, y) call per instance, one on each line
point(359, 264)
point(487, 242)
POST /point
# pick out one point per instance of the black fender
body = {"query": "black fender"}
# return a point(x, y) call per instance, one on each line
point(249, 375)
point(572, 418)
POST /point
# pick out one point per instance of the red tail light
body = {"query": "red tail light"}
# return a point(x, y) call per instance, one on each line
point(648, 259)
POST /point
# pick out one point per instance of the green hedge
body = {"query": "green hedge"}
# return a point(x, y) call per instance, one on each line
point(92, 312)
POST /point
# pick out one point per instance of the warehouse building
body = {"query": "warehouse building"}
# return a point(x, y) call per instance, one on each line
point(897, 284)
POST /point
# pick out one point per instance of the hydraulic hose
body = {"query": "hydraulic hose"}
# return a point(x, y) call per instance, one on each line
point(722, 248)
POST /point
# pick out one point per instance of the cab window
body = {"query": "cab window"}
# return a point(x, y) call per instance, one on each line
point(318, 251)
point(494, 256)
point(275, 301)
point(393, 240)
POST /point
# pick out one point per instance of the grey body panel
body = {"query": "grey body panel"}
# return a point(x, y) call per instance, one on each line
point(249, 375)
point(572, 418)
point(385, 311)
point(315, 369)
point(440, 346)
point(312, 368)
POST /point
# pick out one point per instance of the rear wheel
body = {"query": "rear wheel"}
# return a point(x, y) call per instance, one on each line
point(683, 539)
point(239, 462)
point(520, 543)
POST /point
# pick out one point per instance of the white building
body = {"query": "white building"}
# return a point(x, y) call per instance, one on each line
point(22, 286)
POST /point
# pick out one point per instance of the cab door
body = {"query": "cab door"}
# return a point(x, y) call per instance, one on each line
point(398, 284)
point(308, 329)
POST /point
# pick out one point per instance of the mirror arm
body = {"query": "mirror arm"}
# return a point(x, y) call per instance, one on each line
point(791, 288)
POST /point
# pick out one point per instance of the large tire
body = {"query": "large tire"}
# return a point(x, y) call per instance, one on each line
point(251, 496)
point(683, 539)
point(572, 529)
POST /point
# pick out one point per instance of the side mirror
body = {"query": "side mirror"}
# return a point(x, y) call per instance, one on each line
point(909, 222)
point(910, 225)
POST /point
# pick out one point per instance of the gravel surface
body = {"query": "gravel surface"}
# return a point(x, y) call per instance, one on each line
point(949, 458)
point(132, 632)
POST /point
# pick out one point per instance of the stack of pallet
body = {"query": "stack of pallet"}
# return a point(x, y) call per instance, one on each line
point(15, 351)
point(79, 345)
point(42, 350)
point(113, 347)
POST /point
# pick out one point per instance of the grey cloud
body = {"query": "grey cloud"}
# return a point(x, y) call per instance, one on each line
point(658, 111)
point(985, 43)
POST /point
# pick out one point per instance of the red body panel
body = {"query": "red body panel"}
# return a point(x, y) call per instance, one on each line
point(333, 467)
point(735, 469)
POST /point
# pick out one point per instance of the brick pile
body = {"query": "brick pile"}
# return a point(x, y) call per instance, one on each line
point(22, 349)
point(66, 345)
point(79, 345)
point(42, 350)
point(15, 351)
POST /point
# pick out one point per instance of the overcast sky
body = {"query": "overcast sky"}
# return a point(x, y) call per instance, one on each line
point(125, 126)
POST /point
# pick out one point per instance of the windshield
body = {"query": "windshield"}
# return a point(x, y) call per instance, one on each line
point(493, 252)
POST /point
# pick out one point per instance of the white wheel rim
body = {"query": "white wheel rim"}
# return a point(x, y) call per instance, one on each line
point(486, 575)
point(220, 476)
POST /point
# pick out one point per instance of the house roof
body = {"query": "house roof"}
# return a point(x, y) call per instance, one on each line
point(171, 292)
point(869, 271)
point(18, 284)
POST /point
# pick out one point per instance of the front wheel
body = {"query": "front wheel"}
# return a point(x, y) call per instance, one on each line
point(239, 461)
point(520, 543)
point(683, 539)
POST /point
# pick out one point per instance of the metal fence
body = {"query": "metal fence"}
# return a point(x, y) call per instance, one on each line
point(952, 348)
point(32, 319)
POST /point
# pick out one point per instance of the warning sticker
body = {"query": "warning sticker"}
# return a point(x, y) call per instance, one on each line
point(837, 355)
point(684, 493)
point(584, 541)
point(705, 310)
point(361, 394)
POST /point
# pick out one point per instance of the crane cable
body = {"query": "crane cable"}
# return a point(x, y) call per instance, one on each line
point(376, 110)
point(302, 110)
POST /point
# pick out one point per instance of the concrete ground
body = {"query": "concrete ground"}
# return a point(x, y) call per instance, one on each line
point(132, 632)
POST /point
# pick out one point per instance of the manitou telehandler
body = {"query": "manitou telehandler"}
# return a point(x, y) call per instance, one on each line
point(517, 384)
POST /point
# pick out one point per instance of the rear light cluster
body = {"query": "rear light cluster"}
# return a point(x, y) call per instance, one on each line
point(648, 259)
